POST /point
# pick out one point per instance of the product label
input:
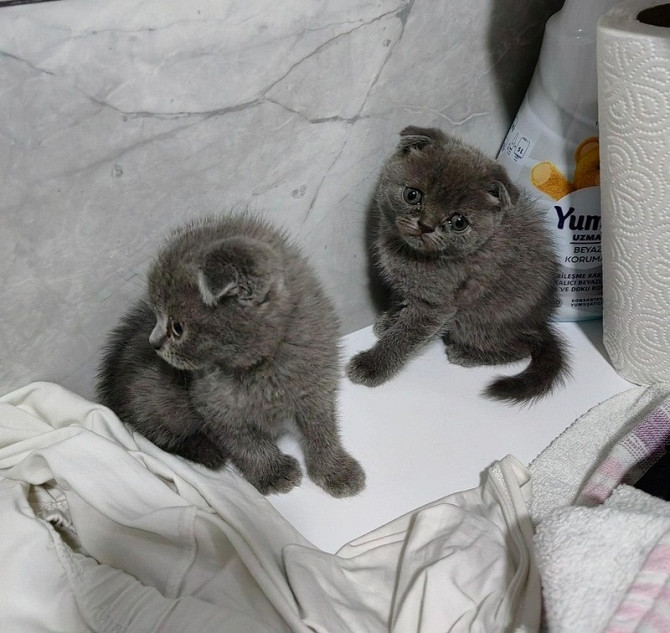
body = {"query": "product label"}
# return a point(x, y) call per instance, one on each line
point(564, 177)
point(575, 221)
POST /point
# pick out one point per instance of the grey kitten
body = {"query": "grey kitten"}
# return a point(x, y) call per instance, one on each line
point(467, 258)
point(235, 338)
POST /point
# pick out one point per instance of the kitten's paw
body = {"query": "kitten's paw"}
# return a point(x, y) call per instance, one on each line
point(457, 357)
point(365, 369)
point(468, 357)
point(281, 477)
point(344, 478)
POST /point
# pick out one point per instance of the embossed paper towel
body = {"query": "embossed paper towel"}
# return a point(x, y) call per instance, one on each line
point(633, 42)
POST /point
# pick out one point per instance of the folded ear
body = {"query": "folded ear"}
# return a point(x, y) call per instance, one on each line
point(419, 137)
point(502, 192)
point(240, 266)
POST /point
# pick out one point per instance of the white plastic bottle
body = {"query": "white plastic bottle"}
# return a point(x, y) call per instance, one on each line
point(552, 150)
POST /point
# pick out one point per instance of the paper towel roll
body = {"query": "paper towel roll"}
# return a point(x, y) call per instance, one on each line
point(633, 43)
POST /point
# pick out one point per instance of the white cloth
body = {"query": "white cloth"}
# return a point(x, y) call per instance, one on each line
point(104, 532)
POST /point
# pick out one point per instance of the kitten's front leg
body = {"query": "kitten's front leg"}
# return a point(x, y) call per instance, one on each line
point(386, 319)
point(197, 447)
point(235, 422)
point(413, 327)
point(259, 460)
point(328, 464)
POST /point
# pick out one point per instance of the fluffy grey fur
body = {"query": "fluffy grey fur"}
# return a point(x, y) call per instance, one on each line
point(468, 258)
point(235, 338)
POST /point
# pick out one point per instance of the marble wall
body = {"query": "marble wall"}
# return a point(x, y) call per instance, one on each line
point(121, 119)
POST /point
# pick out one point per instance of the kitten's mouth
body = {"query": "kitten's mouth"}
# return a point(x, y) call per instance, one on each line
point(177, 363)
point(420, 241)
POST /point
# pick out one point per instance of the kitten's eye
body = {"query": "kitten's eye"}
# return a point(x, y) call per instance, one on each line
point(176, 328)
point(411, 196)
point(458, 222)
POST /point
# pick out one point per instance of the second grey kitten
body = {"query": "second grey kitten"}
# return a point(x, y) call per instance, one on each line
point(467, 258)
point(234, 339)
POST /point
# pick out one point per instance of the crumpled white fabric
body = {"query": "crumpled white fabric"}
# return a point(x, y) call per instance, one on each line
point(104, 532)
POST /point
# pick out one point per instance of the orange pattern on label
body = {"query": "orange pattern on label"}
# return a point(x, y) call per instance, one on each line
point(546, 177)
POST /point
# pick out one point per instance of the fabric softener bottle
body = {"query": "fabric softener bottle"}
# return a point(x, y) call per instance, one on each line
point(552, 151)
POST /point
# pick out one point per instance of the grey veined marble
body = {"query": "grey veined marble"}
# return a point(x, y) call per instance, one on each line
point(120, 119)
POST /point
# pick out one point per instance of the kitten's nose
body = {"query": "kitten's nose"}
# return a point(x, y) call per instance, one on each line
point(157, 338)
point(425, 228)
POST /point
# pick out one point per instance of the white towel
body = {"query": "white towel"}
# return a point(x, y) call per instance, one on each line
point(588, 559)
point(604, 568)
point(561, 470)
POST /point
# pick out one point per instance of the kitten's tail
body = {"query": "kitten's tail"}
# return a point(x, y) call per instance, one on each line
point(548, 368)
